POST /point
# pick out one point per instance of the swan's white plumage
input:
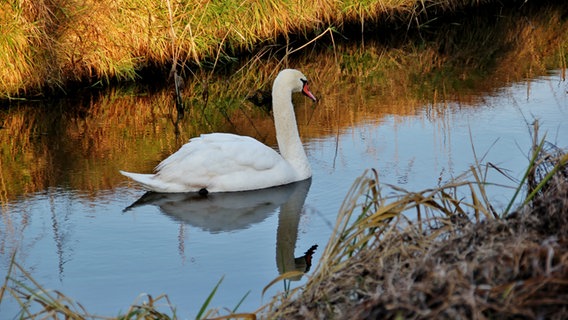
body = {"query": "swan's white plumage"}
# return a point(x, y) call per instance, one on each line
point(222, 162)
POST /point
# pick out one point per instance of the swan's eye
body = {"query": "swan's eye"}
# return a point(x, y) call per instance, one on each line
point(304, 81)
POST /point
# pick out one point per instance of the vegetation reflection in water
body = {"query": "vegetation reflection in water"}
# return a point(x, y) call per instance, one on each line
point(80, 145)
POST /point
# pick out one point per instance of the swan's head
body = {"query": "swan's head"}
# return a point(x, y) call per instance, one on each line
point(295, 80)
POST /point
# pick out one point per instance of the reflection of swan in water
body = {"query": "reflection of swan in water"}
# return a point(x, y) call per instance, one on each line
point(287, 233)
point(223, 212)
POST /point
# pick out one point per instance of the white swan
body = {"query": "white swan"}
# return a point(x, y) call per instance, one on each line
point(222, 162)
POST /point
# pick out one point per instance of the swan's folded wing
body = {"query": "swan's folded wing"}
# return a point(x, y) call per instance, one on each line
point(212, 157)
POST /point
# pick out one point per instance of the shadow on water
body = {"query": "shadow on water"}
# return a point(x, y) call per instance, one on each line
point(227, 212)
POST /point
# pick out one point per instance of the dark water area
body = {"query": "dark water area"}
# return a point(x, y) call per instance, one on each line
point(413, 114)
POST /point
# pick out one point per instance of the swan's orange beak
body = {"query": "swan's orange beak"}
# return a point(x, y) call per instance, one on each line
point(306, 91)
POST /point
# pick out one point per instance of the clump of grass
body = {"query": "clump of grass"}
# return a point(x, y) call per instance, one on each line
point(451, 261)
point(37, 302)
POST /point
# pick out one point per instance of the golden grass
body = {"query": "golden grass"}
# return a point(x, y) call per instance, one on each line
point(50, 45)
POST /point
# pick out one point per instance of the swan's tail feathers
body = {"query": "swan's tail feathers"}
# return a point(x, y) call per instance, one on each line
point(144, 179)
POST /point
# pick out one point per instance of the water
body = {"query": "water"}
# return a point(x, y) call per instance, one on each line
point(91, 244)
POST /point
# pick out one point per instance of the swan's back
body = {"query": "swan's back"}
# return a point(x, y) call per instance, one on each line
point(218, 162)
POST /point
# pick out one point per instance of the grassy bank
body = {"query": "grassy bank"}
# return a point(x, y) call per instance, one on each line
point(460, 259)
point(51, 45)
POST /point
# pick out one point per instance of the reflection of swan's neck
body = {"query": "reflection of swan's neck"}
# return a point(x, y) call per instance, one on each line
point(287, 134)
point(288, 222)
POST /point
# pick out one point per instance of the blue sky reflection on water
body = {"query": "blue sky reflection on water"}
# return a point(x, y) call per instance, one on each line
point(104, 258)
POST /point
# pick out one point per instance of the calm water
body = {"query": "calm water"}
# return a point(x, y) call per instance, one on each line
point(86, 245)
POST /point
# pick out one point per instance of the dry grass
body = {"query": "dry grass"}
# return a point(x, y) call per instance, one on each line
point(49, 45)
point(450, 263)
point(39, 303)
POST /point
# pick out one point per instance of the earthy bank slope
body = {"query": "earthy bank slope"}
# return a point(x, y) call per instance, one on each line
point(464, 261)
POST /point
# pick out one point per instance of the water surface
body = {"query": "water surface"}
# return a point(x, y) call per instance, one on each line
point(81, 228)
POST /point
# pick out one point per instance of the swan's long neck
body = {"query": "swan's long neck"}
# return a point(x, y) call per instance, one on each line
point(287, 135)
